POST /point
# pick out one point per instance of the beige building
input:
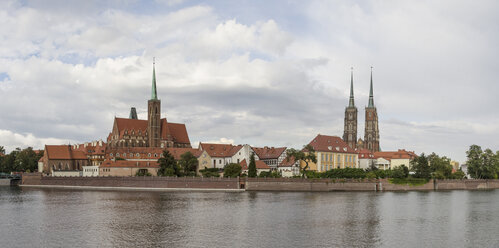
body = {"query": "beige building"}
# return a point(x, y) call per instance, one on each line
point(396, 158)
point(126, 168)
point(91, 171)
point(332, 153)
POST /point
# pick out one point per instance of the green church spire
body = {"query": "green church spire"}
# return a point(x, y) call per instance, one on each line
point(352, 101)
point(371, 94)
point(154, 94)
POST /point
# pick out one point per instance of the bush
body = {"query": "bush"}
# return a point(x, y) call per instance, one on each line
point(400, 172)
point(273, 174)
point(232, 170)
point(371, 175)
point(345, 173)
point(210, 172)
point(141, 173)
point(458, 175)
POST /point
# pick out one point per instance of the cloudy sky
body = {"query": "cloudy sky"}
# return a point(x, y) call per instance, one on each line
point(254, 72)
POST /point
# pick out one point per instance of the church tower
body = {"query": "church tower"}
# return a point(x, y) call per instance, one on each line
point(350, 129)
point(371, 134)
point(154, 114)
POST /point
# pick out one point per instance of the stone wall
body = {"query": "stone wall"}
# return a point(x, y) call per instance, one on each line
point(135, 182)
point(319, 185)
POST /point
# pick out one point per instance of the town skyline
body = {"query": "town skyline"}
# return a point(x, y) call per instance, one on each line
point(251, 77)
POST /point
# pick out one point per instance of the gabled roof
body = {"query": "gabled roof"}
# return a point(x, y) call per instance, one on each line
point(325, 143)
point(177, 131)
point(287, 163)
point(259, 165)
point(400, 154)
point(63, 152)
point(269, 152)
point(365, 154)
point(218, 150)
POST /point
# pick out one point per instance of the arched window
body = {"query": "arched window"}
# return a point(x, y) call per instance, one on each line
point(155, 154)
point(117, 154)
point(149, 155)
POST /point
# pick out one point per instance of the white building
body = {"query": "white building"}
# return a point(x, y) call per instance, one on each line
point(91, 171)
point(289, 168)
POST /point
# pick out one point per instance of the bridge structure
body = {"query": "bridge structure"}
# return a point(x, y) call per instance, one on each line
point(9, 179)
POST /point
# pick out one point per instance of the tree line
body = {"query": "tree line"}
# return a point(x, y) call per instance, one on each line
point(19, 160)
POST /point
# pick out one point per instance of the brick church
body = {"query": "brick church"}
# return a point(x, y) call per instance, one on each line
point(153, 132)
point(371, 131)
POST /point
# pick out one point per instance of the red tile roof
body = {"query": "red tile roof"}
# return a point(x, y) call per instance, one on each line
point(63, 152)
point(219, 150)
point(324, 143)
point(90, 149)
point(269, 152)
point(400, 154)
point(130, 164)
point(259, 165)
point(365, 154)
point(287, 163)
point(176, 130)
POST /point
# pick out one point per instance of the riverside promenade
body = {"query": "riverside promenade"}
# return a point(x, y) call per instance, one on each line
point(246, 184)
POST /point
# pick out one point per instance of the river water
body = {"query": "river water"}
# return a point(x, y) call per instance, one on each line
point(77, 218)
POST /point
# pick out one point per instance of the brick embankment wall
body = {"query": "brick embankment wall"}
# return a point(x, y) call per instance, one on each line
point(135, 182)
point(311, 185)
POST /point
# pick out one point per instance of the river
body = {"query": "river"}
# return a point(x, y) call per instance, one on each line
point(78, 218)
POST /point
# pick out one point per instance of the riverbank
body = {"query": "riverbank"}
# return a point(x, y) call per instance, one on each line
point(247, 184)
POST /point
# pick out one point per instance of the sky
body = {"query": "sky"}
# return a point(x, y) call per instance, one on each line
point(264, 73)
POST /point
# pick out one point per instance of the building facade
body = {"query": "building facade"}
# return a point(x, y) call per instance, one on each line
point(332, 153)
point(153, 132)
point(272, 156)
point(62, 158)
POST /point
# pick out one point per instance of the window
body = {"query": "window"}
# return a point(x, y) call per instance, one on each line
point(111, 154)
point(117, 154)
point(155, 154)
point(136, 154)
point(149, 155)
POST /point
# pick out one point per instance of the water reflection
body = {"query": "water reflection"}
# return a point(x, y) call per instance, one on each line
point(47, 218)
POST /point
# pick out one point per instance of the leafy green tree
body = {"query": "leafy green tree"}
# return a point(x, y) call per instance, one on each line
point(232, 170)
point(440, 166)
point(306, 155)
point(420, 167)
point(252, 166)
point(400, 172)
point(458, 175)
point(189, 163)
point(482, 164)
point(26, 160)
point(9, 161)
point(2, 150)
point(168, 165)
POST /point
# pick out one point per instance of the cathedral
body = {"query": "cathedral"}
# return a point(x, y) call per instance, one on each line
point(371, 131)
point(153, 132)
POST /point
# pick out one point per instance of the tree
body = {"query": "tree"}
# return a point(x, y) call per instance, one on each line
point(188, 163)
point(420, 167)
point(2, 150)
point(306, 155)
point(26, 160)
point(232, 170)
point(168, 165)
point(252, 166)
point(400, 172)
point(482, 164)
point(440, 166)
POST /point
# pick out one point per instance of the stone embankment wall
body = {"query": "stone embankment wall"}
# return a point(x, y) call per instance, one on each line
point(318, 185)
point(35, 179)
point(255, 184)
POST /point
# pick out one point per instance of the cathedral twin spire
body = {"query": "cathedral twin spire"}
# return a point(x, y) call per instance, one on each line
point(371, 134)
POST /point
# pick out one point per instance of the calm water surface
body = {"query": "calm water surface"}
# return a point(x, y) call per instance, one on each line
point(73, 218)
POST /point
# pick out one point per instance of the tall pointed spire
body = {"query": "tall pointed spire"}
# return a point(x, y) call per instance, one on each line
point(352, 101)
point(371, 94)
point(154, 95)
